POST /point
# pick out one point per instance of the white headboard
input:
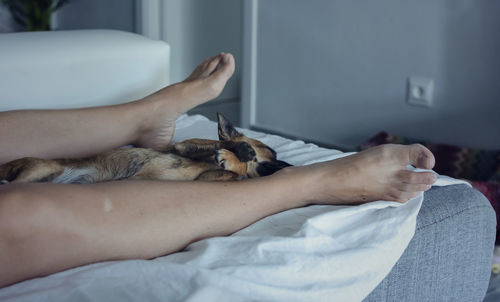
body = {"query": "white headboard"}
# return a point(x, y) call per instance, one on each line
point(81, 68)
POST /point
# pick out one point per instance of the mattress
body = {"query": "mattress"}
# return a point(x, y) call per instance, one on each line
point(314, 253)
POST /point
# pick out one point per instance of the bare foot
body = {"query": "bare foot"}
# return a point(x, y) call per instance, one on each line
point(379, 173)
point(205, 83)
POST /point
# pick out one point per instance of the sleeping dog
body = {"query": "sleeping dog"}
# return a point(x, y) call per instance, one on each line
point(233, 157)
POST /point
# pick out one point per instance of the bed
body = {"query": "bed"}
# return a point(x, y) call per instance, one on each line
point(437, 246)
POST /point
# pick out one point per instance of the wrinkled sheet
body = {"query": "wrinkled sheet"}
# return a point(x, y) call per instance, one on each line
point(316, 253)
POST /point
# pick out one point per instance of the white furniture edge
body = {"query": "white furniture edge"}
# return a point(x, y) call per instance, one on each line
point(79, 68)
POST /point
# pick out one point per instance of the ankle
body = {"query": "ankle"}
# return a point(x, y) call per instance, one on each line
point(141, 115)
point(299, 184)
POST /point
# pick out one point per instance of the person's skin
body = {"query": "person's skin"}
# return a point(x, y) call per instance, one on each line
point(46, 228)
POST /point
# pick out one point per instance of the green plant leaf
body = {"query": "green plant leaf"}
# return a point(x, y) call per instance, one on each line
point(33, 14)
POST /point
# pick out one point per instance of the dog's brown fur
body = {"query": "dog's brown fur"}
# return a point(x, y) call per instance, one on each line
point(234, 156)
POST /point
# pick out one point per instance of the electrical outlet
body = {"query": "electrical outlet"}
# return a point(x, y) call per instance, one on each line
point(420, 91)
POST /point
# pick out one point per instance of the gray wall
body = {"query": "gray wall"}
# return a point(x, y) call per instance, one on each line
point(336, 71)
point(196, 29)
point(108, 14)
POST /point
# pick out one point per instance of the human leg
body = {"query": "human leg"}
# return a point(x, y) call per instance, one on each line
point(148, 122)
point(45, 228)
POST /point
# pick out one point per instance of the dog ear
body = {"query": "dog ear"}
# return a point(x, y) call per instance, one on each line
point(226, 129)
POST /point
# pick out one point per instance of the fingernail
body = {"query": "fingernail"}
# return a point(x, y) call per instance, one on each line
point(225, 58)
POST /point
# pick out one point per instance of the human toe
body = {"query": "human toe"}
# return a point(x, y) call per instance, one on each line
point(411, 177)
point(410, 188)
point(212, 64)
point(421, 157)
point(226, 67)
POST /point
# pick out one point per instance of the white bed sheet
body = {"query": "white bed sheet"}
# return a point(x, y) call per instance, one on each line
point(316, 253)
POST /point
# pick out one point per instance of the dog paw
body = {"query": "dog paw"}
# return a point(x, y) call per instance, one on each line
point(228, 161)
point(222, 156)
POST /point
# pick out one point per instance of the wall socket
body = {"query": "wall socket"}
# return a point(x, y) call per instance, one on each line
point(420, 91)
